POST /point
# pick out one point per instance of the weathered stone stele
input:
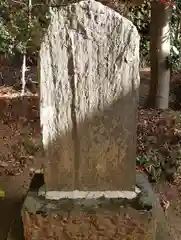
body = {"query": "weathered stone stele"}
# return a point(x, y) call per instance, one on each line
point(89, 74)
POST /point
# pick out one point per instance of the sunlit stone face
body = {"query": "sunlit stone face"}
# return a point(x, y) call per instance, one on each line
point(89, 74)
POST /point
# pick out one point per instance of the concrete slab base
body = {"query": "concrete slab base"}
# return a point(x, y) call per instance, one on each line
point(57, 195)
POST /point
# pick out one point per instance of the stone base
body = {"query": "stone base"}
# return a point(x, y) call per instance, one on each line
point(103, 219)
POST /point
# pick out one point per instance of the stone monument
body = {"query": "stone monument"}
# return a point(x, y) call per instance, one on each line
point(89, 80)
point(89, 74)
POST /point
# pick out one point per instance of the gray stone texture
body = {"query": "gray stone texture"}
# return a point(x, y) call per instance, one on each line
point(101, 218)
point(89, 74)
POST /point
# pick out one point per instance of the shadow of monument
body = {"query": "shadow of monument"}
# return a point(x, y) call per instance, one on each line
point(97, 150)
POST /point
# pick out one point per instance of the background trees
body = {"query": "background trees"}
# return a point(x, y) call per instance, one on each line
point(17, 33)
point(163, 25)
point(158, 22)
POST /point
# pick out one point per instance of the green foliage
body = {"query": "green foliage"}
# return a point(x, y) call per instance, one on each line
point(175, 37)
point(141, 16)
point(6, 40)
point(151, 166)
point(18, 33)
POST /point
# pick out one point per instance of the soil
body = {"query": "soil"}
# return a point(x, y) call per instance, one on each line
point(20, 148)
point(20, 143)
point(169, 193)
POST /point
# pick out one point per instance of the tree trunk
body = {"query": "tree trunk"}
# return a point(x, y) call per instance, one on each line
point(23, 75)
point(179, 37)
point(158, 96)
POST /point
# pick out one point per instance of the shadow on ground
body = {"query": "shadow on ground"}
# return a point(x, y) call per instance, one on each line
point(10, 209)
point(19, 118)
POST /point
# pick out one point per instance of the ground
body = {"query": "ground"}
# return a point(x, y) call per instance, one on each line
point(20, 141)
point(20, 149)
point(158, 141)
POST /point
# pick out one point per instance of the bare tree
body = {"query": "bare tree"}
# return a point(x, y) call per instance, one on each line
point(24, 68)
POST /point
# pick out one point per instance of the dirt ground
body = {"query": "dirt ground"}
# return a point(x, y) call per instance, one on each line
point(170, 194)
point(20, 141)
point(20, 145)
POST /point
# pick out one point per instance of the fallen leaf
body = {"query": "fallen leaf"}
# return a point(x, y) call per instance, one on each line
point(3, 164)
point(2, 193)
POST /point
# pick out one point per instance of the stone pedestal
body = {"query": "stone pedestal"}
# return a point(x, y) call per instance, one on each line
point(89, 223)
point(90, 219)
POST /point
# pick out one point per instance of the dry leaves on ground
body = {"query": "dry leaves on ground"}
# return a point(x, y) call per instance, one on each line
point(159, 143)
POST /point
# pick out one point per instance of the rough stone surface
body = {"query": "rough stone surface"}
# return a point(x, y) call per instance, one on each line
point(150, 200)
point(89, 74)
point(103, 219)
point(85, 220)
point(125, 225)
